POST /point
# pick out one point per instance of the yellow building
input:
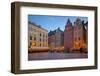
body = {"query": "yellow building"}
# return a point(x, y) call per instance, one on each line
point(37, 37)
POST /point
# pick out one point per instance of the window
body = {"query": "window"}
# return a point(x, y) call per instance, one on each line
point(34, 38)
point(34, 44)
point(40, 34)
point(30, 37)
point(79, 38)
point(40, 44)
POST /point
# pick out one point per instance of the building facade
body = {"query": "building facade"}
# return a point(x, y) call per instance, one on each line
point(80, 40)
point(55, 40)
point(68, 36)
point(75, 36)
point(37, 37)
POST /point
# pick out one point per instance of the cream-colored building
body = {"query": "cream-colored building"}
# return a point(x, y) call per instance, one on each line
point(37, 37)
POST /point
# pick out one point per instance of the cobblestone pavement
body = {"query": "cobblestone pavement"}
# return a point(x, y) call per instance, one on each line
point(55, 55)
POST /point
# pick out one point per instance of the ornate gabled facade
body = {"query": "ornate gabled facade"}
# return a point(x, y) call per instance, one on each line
point(79, 35)
point(68, 36)
point(75, 36)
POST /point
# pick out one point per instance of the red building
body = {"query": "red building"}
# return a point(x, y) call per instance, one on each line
point(68, 36)
point(75, 36)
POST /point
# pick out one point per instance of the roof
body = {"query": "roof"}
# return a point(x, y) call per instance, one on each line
point(32, 23)
point(68, 23)
point(53, 32)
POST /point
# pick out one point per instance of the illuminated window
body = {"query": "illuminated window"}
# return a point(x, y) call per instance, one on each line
point(40, 44)
point(33, 44)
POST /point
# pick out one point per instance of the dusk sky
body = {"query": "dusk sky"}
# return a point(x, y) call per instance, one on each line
point(52, 22)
